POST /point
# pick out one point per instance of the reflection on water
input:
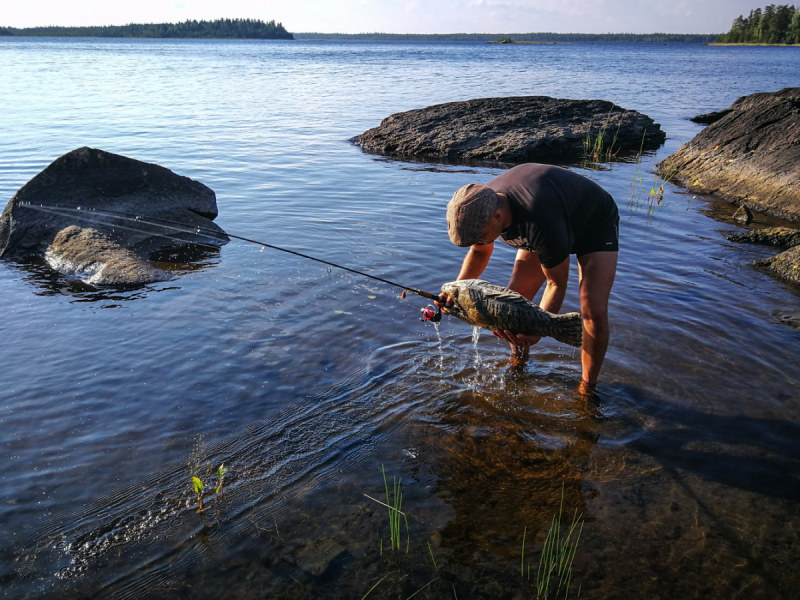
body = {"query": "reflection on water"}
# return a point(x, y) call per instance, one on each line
point(46, 281)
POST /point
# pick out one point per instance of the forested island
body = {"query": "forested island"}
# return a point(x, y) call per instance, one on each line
point(252, 29)
point(270, 30)
point(773, 25)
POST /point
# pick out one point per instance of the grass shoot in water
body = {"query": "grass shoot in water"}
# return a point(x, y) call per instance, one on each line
point(394, 504)
point(200, 470)
point(558, 553)
point(594, 149)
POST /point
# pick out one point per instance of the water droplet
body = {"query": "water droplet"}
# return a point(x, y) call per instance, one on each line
point(476, 335)
point(262, 249)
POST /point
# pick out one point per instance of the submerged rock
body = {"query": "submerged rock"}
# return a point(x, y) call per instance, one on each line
point(783, 237)
point(785, 265)
point(514, 130)
point(66, 193)
point(749, 153)
point(96, 259)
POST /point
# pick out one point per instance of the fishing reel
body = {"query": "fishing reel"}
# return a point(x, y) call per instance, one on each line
point(431, 313)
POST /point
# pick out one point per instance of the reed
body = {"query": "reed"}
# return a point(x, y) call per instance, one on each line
point(669, 170)
point(394, 503)
point(594, 148)
point(430, 550)
point(558, 554)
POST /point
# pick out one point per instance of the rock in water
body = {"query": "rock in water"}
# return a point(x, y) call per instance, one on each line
point(782, 237)
point(743, 215)
point(785, 265)
point(92, 179)
point(513, 131)
point(750, 152)
point(96, 259)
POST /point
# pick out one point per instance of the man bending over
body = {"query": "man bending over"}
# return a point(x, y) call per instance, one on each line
point(547, 213)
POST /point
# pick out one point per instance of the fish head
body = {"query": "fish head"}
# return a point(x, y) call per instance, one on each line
point(458, 292)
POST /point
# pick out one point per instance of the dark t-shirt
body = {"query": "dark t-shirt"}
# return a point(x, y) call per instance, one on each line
point(552, 210)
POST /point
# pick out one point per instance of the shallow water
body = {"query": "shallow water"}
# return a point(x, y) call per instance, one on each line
point(304, 382)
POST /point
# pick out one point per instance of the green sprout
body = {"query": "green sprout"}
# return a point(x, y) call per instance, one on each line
point(220, 475)
point(197, 486)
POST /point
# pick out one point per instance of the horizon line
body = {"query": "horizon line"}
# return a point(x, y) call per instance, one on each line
point(359, 33)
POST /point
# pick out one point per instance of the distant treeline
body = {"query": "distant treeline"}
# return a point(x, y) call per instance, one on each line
point(221, 28)
point(518, 37)
point(773, 25)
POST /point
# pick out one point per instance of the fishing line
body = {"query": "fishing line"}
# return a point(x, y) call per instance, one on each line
point(221, 237)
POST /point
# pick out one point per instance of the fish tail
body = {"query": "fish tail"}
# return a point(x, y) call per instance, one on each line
point(569, 329)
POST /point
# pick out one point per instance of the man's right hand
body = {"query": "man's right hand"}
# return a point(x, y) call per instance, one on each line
point(443, 302)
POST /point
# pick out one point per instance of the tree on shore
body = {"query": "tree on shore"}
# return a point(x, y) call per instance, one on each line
point(221, 28)
point(775, 24)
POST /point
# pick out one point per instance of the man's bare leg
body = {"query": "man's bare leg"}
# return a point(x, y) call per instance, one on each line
point(597, 271)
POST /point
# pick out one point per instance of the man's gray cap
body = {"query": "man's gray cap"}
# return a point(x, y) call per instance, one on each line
point(468, 213)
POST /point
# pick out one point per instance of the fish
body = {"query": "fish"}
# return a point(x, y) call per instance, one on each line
point(494, 307)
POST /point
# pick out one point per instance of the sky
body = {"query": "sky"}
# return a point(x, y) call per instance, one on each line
point(400, 16)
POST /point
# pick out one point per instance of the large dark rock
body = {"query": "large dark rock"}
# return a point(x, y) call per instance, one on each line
point(512, 131)
point(750, 153)
point(94, 180)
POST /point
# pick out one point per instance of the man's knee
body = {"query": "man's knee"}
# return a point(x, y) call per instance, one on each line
point(595, 311)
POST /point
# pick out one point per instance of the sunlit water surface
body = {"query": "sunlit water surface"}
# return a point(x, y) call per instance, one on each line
point(305, 382)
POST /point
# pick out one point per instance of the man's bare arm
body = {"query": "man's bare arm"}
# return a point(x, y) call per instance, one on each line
point(556, 289)
point(527, 276)
point(474, 264)
point(475, 261)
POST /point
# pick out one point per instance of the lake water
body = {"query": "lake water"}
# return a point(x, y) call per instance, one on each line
point(305, 383)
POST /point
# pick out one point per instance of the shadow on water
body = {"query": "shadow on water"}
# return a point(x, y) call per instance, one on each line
point(761, 456)
point(504, 471)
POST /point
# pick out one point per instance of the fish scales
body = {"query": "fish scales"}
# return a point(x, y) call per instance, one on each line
point(495, 307)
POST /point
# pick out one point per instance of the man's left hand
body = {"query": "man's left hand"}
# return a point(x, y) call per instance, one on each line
point(517, 340)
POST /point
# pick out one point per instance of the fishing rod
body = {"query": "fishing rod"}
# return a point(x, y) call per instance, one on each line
point(196, 230)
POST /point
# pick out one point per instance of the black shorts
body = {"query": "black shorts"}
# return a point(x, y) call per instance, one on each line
point(602, 238)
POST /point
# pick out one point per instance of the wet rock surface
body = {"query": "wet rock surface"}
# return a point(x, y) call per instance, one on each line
point(512, 131)
point(749, 153)
point(89, 179)
point(785, 265)
point(96, 259)
point(782, 237)
point(743, 215)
